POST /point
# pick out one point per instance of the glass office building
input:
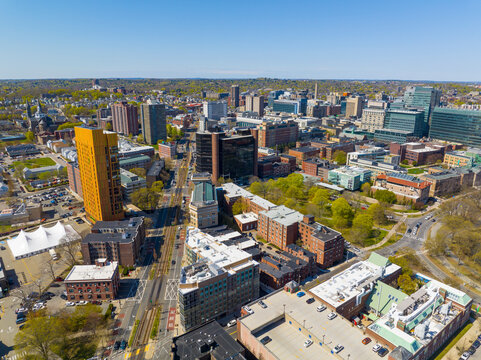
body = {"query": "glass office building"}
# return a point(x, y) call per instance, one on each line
point(456, 125)
point(411, 121)
point(237, 156)
point(290, 106)
point(203, 147)
point(424, 97)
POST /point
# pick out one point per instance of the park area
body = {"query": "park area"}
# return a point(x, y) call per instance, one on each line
point(34, 163)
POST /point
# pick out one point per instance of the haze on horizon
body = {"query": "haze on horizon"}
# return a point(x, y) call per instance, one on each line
point(429, 40)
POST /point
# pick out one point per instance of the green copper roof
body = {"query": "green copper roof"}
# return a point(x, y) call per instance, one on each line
point(378, 260)
point(383, 296)
point(420, 318)
point(393, 338)
point(204, 191)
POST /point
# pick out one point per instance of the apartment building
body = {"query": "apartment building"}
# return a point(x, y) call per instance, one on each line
point(279, 226)
point(203, 207)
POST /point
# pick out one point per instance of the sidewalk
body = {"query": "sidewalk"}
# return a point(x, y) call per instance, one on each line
point(388, 235)
point(465, 342)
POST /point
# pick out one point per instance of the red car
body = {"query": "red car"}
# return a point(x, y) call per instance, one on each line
point(366, 341)
point(59, 278)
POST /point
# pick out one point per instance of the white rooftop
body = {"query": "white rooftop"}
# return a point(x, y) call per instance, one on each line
point(351, 282)
point(233, 190)
point(246, 218)
point(283, 215)
point(92, 272)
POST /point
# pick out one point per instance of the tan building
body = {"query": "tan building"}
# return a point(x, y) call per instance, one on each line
point(203, 207)
point(457, 159)
point(405, 187)
point(442, 183)
point(354, 106)
point(255, 103)
point(372, 119)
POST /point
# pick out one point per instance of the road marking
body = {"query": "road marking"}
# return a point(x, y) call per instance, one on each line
point(127, 355)
point(171, 290)
point(232, 333)
point(147, 347)
point(138, 351)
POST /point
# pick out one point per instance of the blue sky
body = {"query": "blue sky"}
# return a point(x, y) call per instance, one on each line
point(418, 40)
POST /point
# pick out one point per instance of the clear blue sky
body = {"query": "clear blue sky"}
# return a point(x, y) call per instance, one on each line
point(323, 39)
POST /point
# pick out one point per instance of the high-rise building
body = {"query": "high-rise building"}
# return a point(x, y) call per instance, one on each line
point(255, 103)
point(411, 121)
point(153, 122)
point(354, 106)
point(99, 173)
point(298, 106)
point(372, 119)
point(215, 110)
point(456, 125)
point(273, 95)
point(424, 97)
point(315, 92)
point(225, 156)
point(124, 118)
point(334, 98)
point(234, 95)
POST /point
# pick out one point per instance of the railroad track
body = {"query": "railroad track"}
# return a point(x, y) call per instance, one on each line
point(143, 330)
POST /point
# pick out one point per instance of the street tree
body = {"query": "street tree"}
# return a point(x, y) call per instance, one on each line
point(342, 213)
point(145, 199)
point(39, 337)
point(377, 213)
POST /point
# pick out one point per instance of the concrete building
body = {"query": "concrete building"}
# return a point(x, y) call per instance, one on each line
point(234, 96)
point(153, 118)
point(274, 133)
point(215, 110)
point(350, 178)
point(155, 171)
point(203, 207)
point(279, 226)
point(326, 243)
point(100, 173)
point(74, 180)
point(141, 161)
point(130, 183)
point(255, 204)
point(34, 173)
point(378, 167)
point(125, 118)
point(93, 282)
point(370, 153)
point(118, 241)
point(458, 159)
point(168, 150)
point(405, 187)
point(255, 104)
point(219, 279)
point(443, 182)
point(372, 119)
point(354, 106)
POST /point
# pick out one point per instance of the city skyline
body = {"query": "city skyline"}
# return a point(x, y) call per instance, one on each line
point(419, 41)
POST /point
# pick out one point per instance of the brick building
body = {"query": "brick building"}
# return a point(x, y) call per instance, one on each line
point(93, 282)
point(304, 153)
point(74, 181)
point(277, 133)
point(442, 182)
point(327, 150)
point(167, 150)
point(327, 244)
point(118, 241)
point(420, 153)
point(405, 187)
point(279, 226)
point(317, 167)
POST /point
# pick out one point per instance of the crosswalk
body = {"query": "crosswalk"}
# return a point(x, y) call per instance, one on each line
point(129, 354)
point(171, 290)
point(15, 356)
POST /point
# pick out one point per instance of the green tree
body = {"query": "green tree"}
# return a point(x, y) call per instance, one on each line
point(140, 138)
point(259, 188)
point(385, 196)
point(39, 337)
point(377, 213)
point(45, 175)
point(157, 186)
point(366, 189)
point(69, 125)
point(108, 126)
point(405, 162)
point(342, 213)
point(30, 136)
point(415, 163)
point(362, 226)
point(139, 172)
point(145, 199)
point(321, 197)
point(239, 207)
point(438, 245)
point(340, 157)
point(407, 284)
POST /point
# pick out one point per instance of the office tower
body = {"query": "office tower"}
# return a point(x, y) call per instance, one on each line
point(214, 110)
point(274, 133)
point(290, 106)
point(99, 173)
point(334, 98)
point(456, 125)
point(234, 95)
point(124, 118)
point(372, 119)
point(273, 95)
point(225, 156)
point(152, 115)
point(424, 97)
point(354, 106)
point(255, 103)
point(409, 121)
point(249, 103)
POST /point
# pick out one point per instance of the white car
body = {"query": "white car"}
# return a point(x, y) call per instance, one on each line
point(232, 323)
point(338, 348)
point(248, 310)
point(376, 348)
point(465, 356)
point(331, 316)
point(69, 303)
point(307, 343)
point(321, 308)
point(82, 302)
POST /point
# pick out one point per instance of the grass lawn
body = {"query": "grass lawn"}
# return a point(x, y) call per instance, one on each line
point(376, 236)
point(415, 171)
point(393, 239)
point(35, 163)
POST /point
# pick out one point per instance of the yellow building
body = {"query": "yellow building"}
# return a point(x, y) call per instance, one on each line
point(457, 159)
point(98, 162)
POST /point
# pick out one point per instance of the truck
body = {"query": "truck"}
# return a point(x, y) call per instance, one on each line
point(53, 254)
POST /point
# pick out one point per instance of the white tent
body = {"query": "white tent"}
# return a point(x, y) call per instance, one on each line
point(43, 239)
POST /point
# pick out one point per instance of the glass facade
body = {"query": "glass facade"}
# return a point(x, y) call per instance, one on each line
point(405, 120)
point(396, 136)
point(237, 156)
point(456, 125)
point(423, 97)
point(203, 162)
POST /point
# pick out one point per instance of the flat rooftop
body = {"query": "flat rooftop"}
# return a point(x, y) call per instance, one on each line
point(92, 272)
point(233, 190)
point(288, 342)
point(352, 281)
point(246, 217)
point(283, 215)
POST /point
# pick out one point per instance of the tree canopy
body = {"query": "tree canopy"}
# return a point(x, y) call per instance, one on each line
point(145, 199)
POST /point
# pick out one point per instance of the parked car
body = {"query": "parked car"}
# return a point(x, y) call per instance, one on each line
point(338, 348)
point(331, 316)
point(366, 340)
point(21, 320)
point(382, 352)
point(232, 323)
point(82, 302)
point(117, 345)
point(262, 304)
point(123, 344)
point(310, 300)
point(265, 340)
point(248, 310)
point(301, 294)
point(307, 343)
point(21, 310)
point(321, 308)
point(59, 278)
point(376, 348)
point(63, 296)
point(69, 303)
